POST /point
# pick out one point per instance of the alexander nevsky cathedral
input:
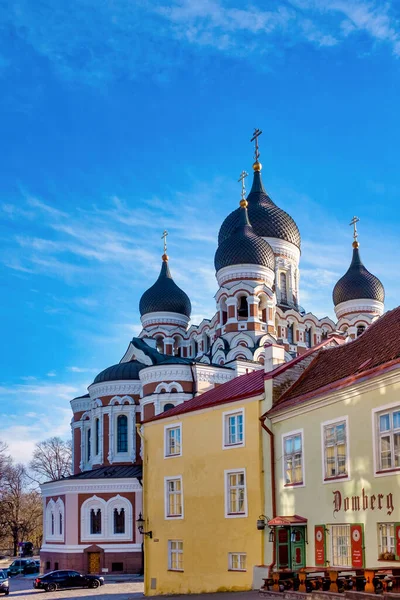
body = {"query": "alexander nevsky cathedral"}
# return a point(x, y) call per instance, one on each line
point(89, 517)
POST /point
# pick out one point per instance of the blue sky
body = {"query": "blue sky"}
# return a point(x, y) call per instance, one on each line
point(121, 118)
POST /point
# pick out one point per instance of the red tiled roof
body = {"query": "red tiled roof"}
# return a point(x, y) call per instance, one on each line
point(245, 386)
point(291, 363)
point(378, 347)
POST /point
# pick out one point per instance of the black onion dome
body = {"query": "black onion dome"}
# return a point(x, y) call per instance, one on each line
point(165, 296)
point(357, 283)
point(120, 372)
point(244, 247)
point(267, 219)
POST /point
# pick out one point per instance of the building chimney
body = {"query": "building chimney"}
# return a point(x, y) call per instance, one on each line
point(274, 356)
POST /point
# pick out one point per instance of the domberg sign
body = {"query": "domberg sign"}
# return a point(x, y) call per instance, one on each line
point(363, 502)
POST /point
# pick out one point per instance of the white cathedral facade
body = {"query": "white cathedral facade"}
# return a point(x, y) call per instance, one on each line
point(89, 517)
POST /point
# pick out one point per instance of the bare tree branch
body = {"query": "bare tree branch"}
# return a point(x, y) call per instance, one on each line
point(51, 460)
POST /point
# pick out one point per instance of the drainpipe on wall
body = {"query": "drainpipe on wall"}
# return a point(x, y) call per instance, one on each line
point(272, 446)
point(194, 392)
point(140, 432)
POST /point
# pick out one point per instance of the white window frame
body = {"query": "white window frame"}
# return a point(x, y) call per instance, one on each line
point(239, 555)
point(166, 481)
point(240, 515)
point(119, 502)
point(376, 412)
point(380, 537)
point(287, 435)
point(177, 551)
point(167, 429)
point(326, 479)
point(333, 537)
point(55, 509)
point(122, 455)
point(225, 429)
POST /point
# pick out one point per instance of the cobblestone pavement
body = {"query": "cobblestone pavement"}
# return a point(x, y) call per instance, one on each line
point(22, 588)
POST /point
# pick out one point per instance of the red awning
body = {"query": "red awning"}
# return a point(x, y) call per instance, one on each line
point(293, 520)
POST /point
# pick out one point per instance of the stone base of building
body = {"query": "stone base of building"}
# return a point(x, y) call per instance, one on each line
point(93, 560)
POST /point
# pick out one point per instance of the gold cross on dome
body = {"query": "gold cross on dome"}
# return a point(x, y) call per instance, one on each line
point(256, 133)
point(164, 237)
point(354, 222)
point(242, 177)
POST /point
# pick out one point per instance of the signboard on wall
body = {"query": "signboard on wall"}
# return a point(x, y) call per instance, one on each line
point(319, 541)
point(357, 550)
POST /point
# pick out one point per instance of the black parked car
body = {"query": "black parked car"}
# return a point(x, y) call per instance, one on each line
point(66, 579)
point(4, 582)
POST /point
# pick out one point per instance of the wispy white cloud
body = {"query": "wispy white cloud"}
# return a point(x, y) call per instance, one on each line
point(82, 370)
point(94, 43)
point(32, 428)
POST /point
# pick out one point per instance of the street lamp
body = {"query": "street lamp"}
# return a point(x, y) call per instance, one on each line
point(140, 522)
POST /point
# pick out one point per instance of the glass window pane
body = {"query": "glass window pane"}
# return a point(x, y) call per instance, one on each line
point(384, 422)
point(386, 456)
point(396, 420)
point(122, 433)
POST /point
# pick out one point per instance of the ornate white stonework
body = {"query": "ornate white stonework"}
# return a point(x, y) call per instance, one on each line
point(166, 373)
point(359, 306)
point(252, 272)
point(80, 404)
point(113, 389)
point(169, 318)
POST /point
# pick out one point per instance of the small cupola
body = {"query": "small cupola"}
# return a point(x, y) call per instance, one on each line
point(165, 299)
point(358, 286)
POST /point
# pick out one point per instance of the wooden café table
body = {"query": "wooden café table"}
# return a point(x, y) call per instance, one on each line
point(321, 573)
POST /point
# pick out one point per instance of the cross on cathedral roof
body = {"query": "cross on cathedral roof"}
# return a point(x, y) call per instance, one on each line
point(354, 222)
point(256, 134)
point(164, 237)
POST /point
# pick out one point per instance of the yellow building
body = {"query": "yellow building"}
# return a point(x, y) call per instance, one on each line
point(203, 491)
point(337, 447)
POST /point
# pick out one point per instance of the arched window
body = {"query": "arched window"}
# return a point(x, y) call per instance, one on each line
point(52, 523)
point(168, 406)
point(290, 333)
point(243, 308)
point(206, 342)
point(177, 347)
point(95, 521)
point(224, 311)
point(97, 436)
point(283, 287)
point(160, 344)
point(60, 523)
point(122, 433)
point(262, 308)
point(88, 444)
point(308, 337)
point(119, 520)
point(324, 335)
point(360, 330)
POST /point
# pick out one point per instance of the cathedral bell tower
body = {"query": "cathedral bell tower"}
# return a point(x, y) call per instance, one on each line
point(165, 311)
point(244, 265)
